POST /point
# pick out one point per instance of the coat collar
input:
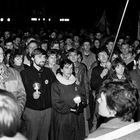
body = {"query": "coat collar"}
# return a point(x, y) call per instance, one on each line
point(64, 81)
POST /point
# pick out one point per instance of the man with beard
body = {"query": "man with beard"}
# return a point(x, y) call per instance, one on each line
point(37, 80)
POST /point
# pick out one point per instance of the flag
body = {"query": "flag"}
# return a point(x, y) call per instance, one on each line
point(103, 24)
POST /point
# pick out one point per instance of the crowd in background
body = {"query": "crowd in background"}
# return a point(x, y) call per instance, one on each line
point(69, 67)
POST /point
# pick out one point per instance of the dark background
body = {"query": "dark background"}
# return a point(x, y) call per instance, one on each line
point(82, 14)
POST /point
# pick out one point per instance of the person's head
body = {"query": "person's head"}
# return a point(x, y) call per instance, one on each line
point(125, 48)
point(61, 44)
point(120, 41)
point(109, 44)
point(76, 38)
point(52, 57)
point(87, 44)
point(97, 43)
point(29, 39)
point(7, 34)
point(9, 114)
point(117, 99)
point(38, 57)
point(68, 44)
point(55, 45)
point(53, 35)
point(119, 66)
point(16, 59)
point(66, 68)
point(103, 56)
point(7, 56)
point(72, 55)
point(136, 43)
point(32, 45)
point(9, 44)
point(44, 45)
point(17, 40)
point(98, 35)
point(68, 41)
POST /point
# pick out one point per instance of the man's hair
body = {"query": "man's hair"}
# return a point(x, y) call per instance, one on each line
point(121, 97)
point(72, 50)
point(9, 114)
point(86, 40)
point(38, 51)
point(51, 52)
point(103, 50)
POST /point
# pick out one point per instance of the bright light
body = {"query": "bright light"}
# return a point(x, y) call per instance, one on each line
point(67, 19)
point(33, 19)
point(8, 19)
point(1, 19)
point(43, 19)
point(38, 19)
point(49, 19)
point(61, 19)
point(64, 19)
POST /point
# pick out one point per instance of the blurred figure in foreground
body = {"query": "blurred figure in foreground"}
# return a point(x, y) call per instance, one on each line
point(117, 102)
point(9, 117)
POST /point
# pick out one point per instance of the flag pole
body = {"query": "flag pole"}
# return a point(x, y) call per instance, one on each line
point(118, 30)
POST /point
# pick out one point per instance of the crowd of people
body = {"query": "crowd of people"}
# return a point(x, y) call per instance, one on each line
point(69, 85)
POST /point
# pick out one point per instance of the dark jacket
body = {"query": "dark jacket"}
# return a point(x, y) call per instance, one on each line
point(66, 125)
point(45, 78)
point(96, 80)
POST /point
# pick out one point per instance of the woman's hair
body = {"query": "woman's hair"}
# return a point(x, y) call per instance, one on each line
point(120, 97)
point(14, 55)
point(113, 74)
point(9, 114)
point(63, 63)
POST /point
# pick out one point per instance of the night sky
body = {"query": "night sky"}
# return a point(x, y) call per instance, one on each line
point(82, 13)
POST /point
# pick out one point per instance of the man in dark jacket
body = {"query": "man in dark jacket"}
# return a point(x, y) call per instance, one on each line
point(37, 80)
point(98, 76)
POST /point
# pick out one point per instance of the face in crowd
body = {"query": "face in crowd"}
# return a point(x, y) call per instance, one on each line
point(103, 57)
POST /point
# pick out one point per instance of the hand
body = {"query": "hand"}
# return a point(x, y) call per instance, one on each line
point(77, 100)
point(104, 73)
point(108, 65)
point(114, 57)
